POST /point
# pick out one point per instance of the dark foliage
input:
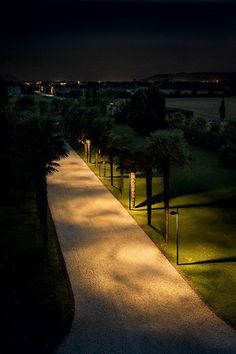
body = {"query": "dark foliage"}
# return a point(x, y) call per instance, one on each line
point(25, 103)
point(147, 111)
point(222, 109)
point(41, 146)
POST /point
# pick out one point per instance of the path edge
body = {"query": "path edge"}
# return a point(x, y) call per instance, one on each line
point(70, 315)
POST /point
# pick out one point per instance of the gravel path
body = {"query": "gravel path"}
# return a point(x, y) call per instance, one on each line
point(128, 297)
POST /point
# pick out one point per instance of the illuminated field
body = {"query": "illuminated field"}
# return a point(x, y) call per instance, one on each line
point(205, 107)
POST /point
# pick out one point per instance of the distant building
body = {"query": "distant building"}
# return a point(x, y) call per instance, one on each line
point(111, 108)
point(115, 106)
point(14, 90)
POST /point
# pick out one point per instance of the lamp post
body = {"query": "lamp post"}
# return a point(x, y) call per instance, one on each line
point(81, 142)
point(132, 189)
point(88, 150)
point(99, 163)
point(176, 213)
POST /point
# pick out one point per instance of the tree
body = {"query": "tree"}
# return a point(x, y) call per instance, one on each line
point(91, 93)
point(26, 103)
point(169, 148)
point(144, 159)
point(222, 110)
point(147, 111)
point(58, 105)
point(41, 146)
point(122, 113)
point(116, 146)
point(229, 132)
point(139, 158)
point(99, 130)
point(227, 152)
point(125, 161)
point(227, 155)
point(196, 131)
point(94, 132)
point(176, 120)
point(44, 107)
point(198, 124)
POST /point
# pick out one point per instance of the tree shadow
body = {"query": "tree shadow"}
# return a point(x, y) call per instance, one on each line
point(181, 206)
point(159, 199)
point(159, 230)
point(116, 188)
point(216, 260)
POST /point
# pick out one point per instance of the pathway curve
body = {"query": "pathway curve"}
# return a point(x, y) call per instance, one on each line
point(128, 297)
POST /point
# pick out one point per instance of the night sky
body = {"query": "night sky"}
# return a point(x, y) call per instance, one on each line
point(115, 40)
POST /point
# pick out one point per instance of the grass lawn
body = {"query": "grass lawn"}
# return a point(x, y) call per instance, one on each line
point(205, 194)
point(35, 299)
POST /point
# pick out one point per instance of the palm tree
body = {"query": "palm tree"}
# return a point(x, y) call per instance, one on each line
point(139, 157)
point(169, 148)
point(111, 146)
point(144, 159)
point(116, 146)
point(42, 146)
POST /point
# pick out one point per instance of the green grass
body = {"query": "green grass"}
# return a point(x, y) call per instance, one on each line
point(36, 300)
point(205, 194)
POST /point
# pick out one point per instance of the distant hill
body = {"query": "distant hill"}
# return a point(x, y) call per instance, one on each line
point(197, 76)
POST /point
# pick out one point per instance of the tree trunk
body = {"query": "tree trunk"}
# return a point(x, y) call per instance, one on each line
point(96, 160)
point(166, 182)
point(149, 195)
point(99, 165)
point(86, 151)
point(111, 169)
point(132, 190)
point(99, 169)
point(104, 168)
point(121, 180)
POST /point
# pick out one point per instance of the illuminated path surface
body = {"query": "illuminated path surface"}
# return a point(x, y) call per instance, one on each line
point(128, 298)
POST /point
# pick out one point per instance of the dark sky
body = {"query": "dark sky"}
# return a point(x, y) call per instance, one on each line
point(115, 40)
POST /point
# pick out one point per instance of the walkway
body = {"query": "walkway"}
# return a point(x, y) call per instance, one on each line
point(128, 297)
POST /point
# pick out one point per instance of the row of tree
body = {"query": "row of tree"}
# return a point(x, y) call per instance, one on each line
point(146, 145)
point(31, 143)
point(150, 140)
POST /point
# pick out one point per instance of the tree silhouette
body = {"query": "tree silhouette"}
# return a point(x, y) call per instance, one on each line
point(41, 145)
point(222, 109)
point(169, 148)
point(147, 111)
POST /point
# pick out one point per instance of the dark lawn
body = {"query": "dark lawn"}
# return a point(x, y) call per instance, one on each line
point(35, 299)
